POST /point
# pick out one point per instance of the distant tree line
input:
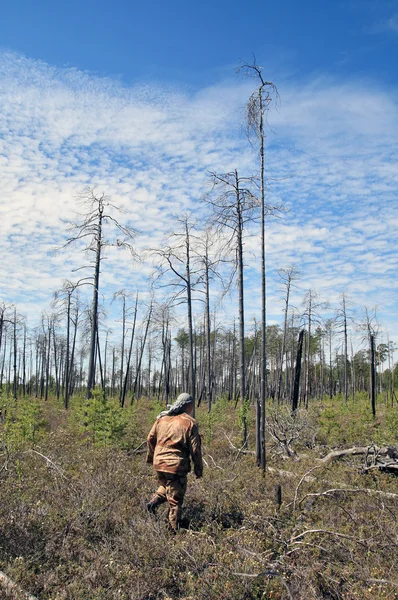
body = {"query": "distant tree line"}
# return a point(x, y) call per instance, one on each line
point(154, 357)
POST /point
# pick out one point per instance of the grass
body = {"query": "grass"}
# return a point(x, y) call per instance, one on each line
point(73, 522)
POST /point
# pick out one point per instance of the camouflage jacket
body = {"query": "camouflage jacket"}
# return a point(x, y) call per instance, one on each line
point(172, 442)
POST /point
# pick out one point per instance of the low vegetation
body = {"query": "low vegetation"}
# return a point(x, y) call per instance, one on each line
point(74, 486)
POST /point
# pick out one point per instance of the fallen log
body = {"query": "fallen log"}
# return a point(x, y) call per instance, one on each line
point(384, 459)
point(357, 450)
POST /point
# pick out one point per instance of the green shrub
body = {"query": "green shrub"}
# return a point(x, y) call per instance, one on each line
point(102, 418)
point(23, 421)
point(217, 415)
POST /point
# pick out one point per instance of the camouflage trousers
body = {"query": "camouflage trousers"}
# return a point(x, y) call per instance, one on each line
point(172, 488)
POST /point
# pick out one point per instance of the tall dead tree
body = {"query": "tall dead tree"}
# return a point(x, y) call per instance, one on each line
point(257, 108)
point(4, 319)
point(342, 320)
point(144, 338)
point(123, 396)
point(123, 297)
point(371, 325)
point(312, 304)
point(208, 253)
point(63, 298)
point(297, 373)
point(15, 384)
point(329, 330)
point(91, 226)
point(175, 260)
point(233, 204)
point(287, 277)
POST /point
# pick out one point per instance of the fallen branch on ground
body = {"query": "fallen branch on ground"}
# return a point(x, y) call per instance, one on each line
point(49, 462)
point(295, 538)
point(367, 491)
point(214, 462)
point(140, 449)
point(270, 574)
point(309, 479)
point(358, 450)
point(238, 450)
point(382, 582)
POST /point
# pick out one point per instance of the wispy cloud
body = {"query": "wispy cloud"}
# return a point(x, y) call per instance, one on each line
point(392, 23)
point(331, 159)
point(385, 25)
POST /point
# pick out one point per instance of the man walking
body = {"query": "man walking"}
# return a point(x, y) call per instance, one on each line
point(172, 442)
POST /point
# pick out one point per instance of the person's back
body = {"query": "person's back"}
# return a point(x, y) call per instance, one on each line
point(176, 441)
point(172, 442)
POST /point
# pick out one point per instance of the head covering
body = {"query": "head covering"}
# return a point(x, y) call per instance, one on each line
point(178, 407)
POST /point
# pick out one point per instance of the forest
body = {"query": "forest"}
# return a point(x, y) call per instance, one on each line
point(299, 419)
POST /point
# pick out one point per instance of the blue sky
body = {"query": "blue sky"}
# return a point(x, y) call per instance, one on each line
point(142, 100)
point(194, 42)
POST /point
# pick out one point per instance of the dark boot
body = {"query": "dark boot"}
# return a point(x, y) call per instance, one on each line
point(154, 503)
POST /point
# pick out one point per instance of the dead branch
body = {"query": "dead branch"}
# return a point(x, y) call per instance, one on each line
point(309, 479)
point(304, 478)
point(214, 462)
point(365, 450)
point(238, 450)
point(140, 449)
point(231, 480)
point(11, 586)
point(382, 581)
point(367, 491)
point(270, 574)
point(50, 463)
point(326, 532)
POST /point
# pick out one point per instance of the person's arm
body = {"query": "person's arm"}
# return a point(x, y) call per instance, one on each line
point(151, 443)
point(196, 451)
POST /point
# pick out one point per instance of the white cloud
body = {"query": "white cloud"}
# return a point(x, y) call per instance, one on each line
point(332, 161)
point(392, 23)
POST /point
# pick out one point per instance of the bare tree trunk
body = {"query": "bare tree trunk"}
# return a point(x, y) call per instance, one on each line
point(263, 360)
point(100, 364)
point(15, 385)
point(297, 374)
point(57, 373)
point(372, 375)
point(94, 310)
point(138, 371)
point(67, 351)
point(121, 386)
point(190, 323)
point(345, 351)
point(48, 358)
point(105, 361)
point(287, 276)
point(4, 361)
point(69, 390)
point(308, 360)
point(239, 252)
point(209, 386)
point(24, 361)
point(113, 372)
